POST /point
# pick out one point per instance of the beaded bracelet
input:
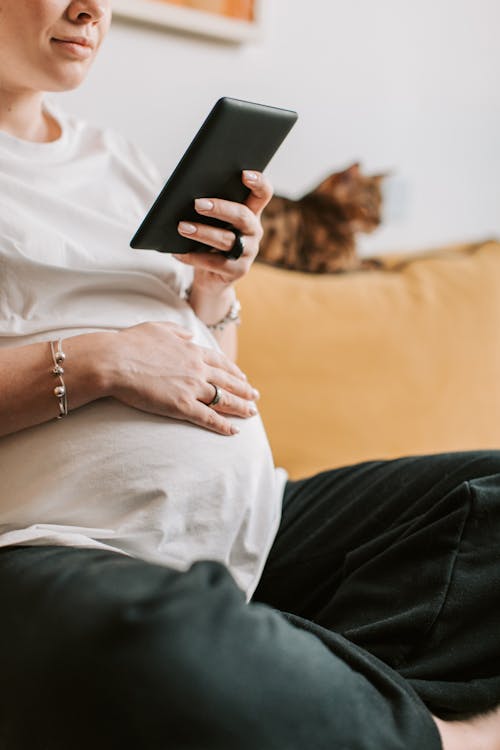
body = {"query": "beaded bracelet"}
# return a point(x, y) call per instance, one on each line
point(58, 371)
point(232, 316)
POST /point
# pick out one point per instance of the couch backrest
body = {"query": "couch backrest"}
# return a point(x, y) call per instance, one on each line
point(376, 364)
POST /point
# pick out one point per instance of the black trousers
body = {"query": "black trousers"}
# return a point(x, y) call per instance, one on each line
point(381, 596)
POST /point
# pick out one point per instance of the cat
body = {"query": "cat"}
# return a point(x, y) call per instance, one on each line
point(316, 233)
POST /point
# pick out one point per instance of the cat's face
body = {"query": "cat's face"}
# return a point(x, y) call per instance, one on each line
point(358, 196)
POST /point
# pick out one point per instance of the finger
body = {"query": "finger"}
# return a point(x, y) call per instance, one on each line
point(217, 360)
point(261, 190)
point(204, 416)
point(236, 214)
point(232, 384)
point(215, 237)
point(227, 403)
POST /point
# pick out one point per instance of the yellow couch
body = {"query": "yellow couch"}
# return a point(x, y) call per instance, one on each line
point(376, 364)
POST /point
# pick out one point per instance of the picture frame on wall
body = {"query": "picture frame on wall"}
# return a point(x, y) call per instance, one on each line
point(234, 21)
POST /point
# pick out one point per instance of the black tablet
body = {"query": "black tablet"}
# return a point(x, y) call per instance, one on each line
point(236, 135)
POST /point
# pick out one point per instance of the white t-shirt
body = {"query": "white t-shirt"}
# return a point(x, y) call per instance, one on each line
point(109, 475)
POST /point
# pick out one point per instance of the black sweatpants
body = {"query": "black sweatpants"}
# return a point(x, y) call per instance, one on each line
point(381, 594)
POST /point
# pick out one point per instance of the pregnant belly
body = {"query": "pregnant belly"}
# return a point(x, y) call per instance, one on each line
point(156, 488)
point(112, 467)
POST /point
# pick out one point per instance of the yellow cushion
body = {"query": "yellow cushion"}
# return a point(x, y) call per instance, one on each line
point(376, 364)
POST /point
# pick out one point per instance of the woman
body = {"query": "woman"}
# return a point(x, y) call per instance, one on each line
point(131, 448)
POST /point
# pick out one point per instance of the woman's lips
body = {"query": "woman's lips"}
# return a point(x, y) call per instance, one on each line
point(77, 48)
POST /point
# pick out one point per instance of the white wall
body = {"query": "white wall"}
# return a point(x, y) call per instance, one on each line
point(406, 86)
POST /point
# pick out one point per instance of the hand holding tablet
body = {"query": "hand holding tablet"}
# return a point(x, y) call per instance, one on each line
point(236, 135)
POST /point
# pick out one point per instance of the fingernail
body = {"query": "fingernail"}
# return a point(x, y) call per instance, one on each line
point(203, 204)
point(252, 410)
point(186, 228)
point(255, 393)
point(234, 430)
point(250, 176)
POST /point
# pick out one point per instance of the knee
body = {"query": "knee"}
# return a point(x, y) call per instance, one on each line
point(480, 473)
point(469, 473)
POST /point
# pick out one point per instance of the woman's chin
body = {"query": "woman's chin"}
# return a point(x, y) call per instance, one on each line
point(66, 82)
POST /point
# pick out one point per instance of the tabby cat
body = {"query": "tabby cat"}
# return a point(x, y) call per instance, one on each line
point(317, 232)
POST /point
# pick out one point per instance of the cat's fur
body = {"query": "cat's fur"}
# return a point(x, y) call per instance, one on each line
point(317, 233)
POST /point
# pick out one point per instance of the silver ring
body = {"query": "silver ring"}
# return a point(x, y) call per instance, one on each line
point(217, 395)
point(238, 246)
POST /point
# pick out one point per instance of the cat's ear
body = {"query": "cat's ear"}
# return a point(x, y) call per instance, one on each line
point(337, 181)
point(353, 172)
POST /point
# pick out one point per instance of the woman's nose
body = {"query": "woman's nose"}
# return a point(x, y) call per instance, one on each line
point(88, 11)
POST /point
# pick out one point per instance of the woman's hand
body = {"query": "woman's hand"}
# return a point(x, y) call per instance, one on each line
point(213, 272)
point(156, 368)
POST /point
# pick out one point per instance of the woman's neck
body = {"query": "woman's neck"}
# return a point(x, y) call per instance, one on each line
point(23, 116)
